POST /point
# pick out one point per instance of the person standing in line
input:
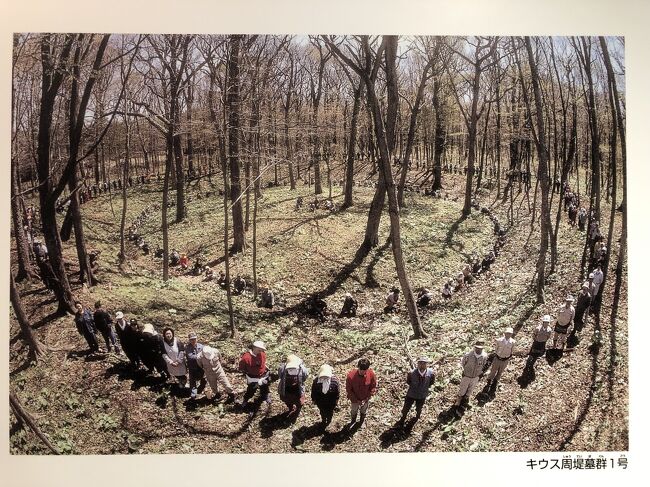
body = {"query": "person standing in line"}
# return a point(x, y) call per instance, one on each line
point(541, 334)
point(291, 385)
point(209, 360)
point(173, 353)
point(192, 350)
point(360, 386)
point(104, 324)
point(253, 365)
point(419, 380)
point(582, 304)
point(565, 316)
point(503, 348)
point(83, 320)
point(472, 364)
point(325, 392)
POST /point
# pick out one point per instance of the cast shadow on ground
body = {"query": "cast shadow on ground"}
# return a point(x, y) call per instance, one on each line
point(396, 433)
point(279, 421)
point(330, 440)
point(305, 433)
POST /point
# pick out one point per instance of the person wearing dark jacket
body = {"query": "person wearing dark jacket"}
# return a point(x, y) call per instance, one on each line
point(582, 305)
point(349, 306)
point(128, 334)
point(192, 350)
point(86, 326)
point(150, 350)
point(104, 324)
point(419, 381)
point(325, 392)
point(291, 385)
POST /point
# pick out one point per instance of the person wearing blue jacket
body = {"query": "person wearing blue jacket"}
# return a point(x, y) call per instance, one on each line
point(85, 324)
point(291, 385)
point(419, 381)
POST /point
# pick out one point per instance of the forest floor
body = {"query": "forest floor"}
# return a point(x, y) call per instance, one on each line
point(95, 405)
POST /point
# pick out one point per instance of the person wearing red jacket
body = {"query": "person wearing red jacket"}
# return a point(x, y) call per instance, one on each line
point(360, 385)
point(253, 366)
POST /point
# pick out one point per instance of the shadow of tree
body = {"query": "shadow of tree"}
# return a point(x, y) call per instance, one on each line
point(594, 350)
point(371, 280)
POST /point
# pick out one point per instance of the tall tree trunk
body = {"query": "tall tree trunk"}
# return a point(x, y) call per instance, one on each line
point(180, 174)
point(85, 270)
point(371, 238)
point(226, 230)
point(352, 145)
point(234, 134)
point(36, 348)
point(542, 173)
point(472, 127)
point(440, 137)
point(620, 126)
point(25, 270)
point(410, 138)
point(125, 177)
point(384, 167)
point(169, 161)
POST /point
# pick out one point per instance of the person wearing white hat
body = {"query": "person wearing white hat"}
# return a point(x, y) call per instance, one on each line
point(503, 348)
point(325, 392)
point(253, 365)
point(472, 363)
point(208, 360)
point(565, 315)
point(291, 384)
point(349, 306)
point(419, 380)
point(541, 334)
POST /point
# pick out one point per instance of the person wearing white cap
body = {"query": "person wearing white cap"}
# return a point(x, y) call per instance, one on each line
point(291, 384)
point(253, 365)
point(541, 334)
point(349, 306)
point(325, 392)
point(503, 348)
point(472, 363)
point(590, 284)
point(419, 380)
point(208, 360)
point(565, 315)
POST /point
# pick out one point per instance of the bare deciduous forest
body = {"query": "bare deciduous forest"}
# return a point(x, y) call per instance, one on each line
point(245, 187)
